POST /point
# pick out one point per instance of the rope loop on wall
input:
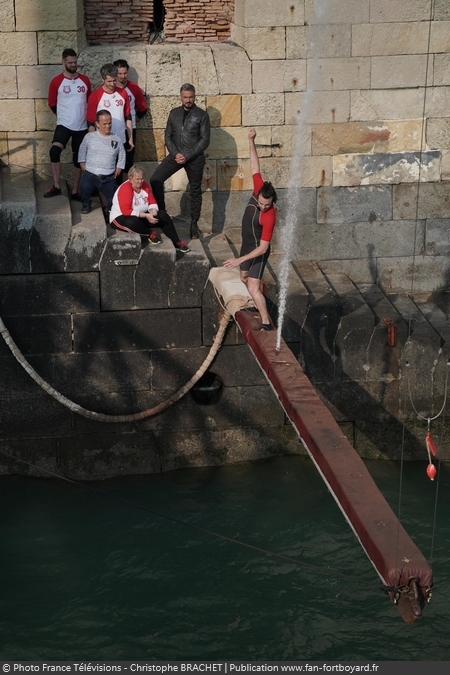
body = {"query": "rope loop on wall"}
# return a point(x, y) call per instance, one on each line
point(134, 417)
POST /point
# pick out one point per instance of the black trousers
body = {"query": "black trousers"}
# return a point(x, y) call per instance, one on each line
point(142, 226)
point(194, 170)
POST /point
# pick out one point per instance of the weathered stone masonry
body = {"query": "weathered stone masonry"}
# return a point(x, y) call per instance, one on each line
point(357, 72)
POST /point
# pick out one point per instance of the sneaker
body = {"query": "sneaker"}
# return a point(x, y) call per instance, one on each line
point(182, 246)
point(75, 196)
point(85, 209)
point(266, 326)
point(53, 192)
point(154, 238)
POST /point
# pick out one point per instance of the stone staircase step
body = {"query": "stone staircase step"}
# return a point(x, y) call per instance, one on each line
point(52, 229)
point(297, 298)
point(315, 282)
point(17, 215)
point(438, 320)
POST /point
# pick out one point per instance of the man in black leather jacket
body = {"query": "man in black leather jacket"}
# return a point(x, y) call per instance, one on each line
point(187, 137)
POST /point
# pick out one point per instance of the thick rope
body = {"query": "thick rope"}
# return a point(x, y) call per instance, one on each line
point(101, 417)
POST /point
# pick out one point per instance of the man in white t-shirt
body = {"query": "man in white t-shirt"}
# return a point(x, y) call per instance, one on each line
point(67, 97)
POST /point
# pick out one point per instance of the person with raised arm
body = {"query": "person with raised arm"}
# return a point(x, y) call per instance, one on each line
point(257, 228)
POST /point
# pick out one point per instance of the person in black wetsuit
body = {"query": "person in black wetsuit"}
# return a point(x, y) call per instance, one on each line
point(257, 229)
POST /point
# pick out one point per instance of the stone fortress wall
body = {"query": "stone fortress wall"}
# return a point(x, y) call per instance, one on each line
point(363, 139)
point(371, 80)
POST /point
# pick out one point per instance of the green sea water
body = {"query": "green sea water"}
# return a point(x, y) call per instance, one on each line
point(94, 574)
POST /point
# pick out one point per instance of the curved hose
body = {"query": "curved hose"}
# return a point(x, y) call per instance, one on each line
point(100, 417)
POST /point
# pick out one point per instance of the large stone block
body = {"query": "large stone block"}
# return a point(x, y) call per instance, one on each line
point(297, 296)
point(437, 241)
point(137, 330)
point(445, 165)
point(441, 10)
point(30, 148)
point(197, 67)
point(51, 45)
point(17, 115)
point(118, 264)
point(136, 57)
point(261, 43)
point(306, 172)
point(437, 101)
point(234, 175)
point(45, 118)
point(360, 270)
point(440, 36)
point(441, 69)
point(52, 231)
point(41, 334)
point(380, 104)
point(160, 107)
point(425, 274)
point(314, 107)
point(335, 11)
point(48, 15)
point(92, 59)
point(211, 447)
point(150, 145)
point(17, 214)
point(384, 11)
point(99, 373)
point(19, 49)
point(224, 111)
point(337, 139)
point(318, 41)
point(8, 82)
point(345, 241)
point(7, 15)
point(33, 81)
point(99, 455)
point(355, 330)
point(189, 278)
point(153, 276)
point(172, 368)
point(385, 39)
point(393, 167)
point(354, 205)
point(248, 13)
point(279, 76)
point(163, 70)
point(334, 74)
point(429, 200)
point(233, 67)
point(85, 246)
point(37, 294)
point(232, 142)
point(262, 109)
point(395, 72)
point(291, 139)
point(35, 416)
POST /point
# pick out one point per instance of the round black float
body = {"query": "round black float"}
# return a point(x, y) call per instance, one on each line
point(208, 389)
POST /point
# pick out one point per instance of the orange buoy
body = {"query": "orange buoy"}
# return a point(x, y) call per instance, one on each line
point(431, 471)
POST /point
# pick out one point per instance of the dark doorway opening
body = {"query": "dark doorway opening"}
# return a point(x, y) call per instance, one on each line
point(156, 26)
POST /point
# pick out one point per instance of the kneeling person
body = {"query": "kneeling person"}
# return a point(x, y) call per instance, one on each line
point(102, 159)
point(134, 209)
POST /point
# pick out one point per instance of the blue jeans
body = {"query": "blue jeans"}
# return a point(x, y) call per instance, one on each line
point(106, 185)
